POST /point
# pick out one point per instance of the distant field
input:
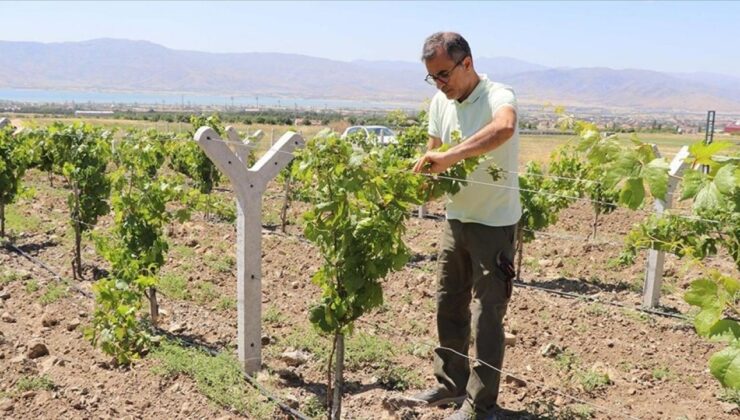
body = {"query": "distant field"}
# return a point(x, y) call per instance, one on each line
point(533, 147)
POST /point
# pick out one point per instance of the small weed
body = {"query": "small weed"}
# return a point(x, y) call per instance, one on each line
point(8, 277)
point(638, 316)
point(613, 263)
point(416, 328)
point(273, 316)
point(420, 349)
point(205, 293)
point(625, 366)
point(591, 380)
point(365, 349)
point(305, 337)
point(225, 264)
point(219, 378)
point(430, 305)
point(226, 303)
point(314, 408)
point(174, 286)
point(400, 378)
point(566, 360)
point(667, 288)
point(596, 309)
point(183, 252)
point(636, 284)
point(577, 412)
point(53, 293)
point(17, 221)
point(32, 286)
point(34, 383)
point(729, 395)
point(530, 263)
point(660, 373)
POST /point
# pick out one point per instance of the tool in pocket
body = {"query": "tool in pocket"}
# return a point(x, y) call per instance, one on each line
point(506, 267)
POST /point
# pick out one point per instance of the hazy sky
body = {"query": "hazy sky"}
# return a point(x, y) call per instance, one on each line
point(665, 36)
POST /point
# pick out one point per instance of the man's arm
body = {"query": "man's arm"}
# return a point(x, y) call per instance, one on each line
point(488, 138)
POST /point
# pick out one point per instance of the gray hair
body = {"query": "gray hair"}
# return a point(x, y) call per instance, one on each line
point(453, 44)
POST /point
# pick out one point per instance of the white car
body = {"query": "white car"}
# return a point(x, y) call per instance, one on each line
point(384, 134)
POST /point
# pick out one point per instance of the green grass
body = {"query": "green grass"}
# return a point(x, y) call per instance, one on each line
point(662, 372)
point(730, 396)
point(305, 337)
point(365, 349)
point(566, 360)
point(314, 408)
point(53, 293)
point(16, 221)
point(400, 378)
point(174, 286)
point(8, 277)
point(591, 380)
point(273, 316)
point(226, 303)
point(668, 288)
point(185, 255)
point(205, 293)
point(378, 353)
point(219, 378)
point(34, 383)
point(183, 252)
point(596, 309)
point(221, 264)
point(577, 411)
point(638, 316)
point(32, 286)
point(361, 351)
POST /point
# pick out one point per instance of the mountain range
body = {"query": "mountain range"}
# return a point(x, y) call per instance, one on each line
point(142, 66)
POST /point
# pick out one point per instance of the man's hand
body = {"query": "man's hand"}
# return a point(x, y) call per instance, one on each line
point(435, 162)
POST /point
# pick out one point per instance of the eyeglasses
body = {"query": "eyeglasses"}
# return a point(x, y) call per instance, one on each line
point(443, 76)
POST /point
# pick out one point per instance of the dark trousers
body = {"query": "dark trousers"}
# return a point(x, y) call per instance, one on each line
point(468, 271)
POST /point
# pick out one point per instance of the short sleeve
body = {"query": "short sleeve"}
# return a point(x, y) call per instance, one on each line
point(434, 129)
point(502, 96)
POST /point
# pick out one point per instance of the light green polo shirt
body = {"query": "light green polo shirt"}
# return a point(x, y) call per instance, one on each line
point(497, 205)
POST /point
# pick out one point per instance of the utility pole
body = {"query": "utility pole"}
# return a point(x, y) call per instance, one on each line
point(709, 135)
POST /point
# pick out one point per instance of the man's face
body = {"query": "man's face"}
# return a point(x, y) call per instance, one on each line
point(448, 74)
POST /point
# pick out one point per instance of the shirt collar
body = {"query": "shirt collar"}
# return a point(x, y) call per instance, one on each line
point(475, 94)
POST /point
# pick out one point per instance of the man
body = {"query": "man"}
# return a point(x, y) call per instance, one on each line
point(479, 234)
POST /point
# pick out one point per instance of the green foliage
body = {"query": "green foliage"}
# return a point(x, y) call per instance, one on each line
point(53, 293)
point(542, 198)
point(34, 383)
point(660, 373)
point(174, 286)
point(187, 157)
point(715, 226)
point(714, 295)
point(32, 286)
point(219, 378)
point(15, 156)
point(591, 380)
point(411, 141)
point(82, 152)
point(362, 196)
point(136, 247)
point(115, 325)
